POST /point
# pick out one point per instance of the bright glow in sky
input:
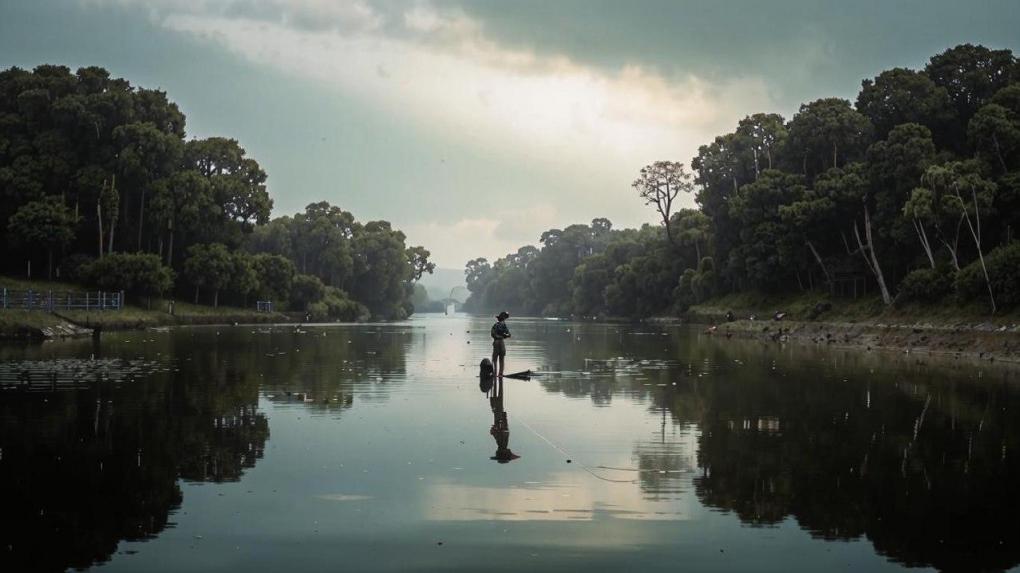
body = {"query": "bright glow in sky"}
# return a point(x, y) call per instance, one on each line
point(438, 71)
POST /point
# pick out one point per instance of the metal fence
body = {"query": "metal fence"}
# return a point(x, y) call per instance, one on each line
point(60, 300)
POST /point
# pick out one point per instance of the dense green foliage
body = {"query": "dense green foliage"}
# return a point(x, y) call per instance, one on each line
point(91, 166)
point(139, 274)
point(925, 286)
point(367, 263)
point(914, 192)
point(1003, 273)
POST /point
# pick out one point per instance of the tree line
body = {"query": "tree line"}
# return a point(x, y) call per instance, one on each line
point(912, 191)
point(99, 181)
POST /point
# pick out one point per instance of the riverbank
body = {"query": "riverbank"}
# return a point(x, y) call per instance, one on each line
point(43, 325)
point(33, 325)
point(865, 323)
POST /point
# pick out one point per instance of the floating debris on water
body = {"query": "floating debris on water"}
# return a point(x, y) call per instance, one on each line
point(72, 373)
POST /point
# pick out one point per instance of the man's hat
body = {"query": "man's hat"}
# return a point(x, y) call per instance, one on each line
point(503, 315)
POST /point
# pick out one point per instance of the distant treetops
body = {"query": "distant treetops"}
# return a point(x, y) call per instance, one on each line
point(912, 192)
point(93, 167)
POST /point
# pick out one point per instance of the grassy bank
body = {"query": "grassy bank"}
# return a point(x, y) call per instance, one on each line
point(145, 314)
point(24, 324)
point(863, 309)
point(947, 329)
point(134, 317)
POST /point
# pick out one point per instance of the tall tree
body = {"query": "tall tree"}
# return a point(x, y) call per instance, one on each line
point(418, 258)
point(179, 203)
point(900, 96)
point(895, 166)
point(209, 266)
point(763, 134)
point(765, 252)
point(971, 75)
point(47, 223)
point(659, 184)
point(147, 155)
point(238, 185)
point(827, 133)
point(849, 188)
point(994, 132)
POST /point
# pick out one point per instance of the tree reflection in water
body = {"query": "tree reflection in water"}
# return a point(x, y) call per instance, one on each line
point(924, 470)
point(917, 459)
point(82, 470)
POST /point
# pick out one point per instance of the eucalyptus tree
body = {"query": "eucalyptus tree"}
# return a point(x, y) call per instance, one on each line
point(895, 166)
point(764, 135)
point(850, 190)
point(994, 132)
point(811, 218)
point(693, 229)
point(974, 193)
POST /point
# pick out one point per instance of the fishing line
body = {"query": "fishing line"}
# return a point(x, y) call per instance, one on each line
point(565, 453)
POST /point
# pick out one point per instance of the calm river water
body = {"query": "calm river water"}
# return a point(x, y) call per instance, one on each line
point(372, 448)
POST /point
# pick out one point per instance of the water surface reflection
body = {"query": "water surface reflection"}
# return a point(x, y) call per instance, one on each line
point(637, 447)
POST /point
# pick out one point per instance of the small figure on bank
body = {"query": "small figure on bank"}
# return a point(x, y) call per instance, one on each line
point(500, 332)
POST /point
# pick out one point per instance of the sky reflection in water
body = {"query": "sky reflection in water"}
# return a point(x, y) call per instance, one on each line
point(370, 447)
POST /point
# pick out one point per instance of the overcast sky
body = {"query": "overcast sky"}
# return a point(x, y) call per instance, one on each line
point(474, 126)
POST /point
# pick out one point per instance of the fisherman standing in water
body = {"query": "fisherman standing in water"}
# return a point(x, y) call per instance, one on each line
point(500, 332)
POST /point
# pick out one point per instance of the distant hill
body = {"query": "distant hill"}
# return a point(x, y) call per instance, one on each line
point(442, 281)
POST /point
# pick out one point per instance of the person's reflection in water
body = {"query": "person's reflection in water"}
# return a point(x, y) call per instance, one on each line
point(500, 429)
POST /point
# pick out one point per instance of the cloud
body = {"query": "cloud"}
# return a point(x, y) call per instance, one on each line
point(453, 80)
point(500, 232)
point(581, 131)
point(343, 15)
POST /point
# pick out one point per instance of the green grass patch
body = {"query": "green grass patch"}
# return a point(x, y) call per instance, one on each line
point(25, 323)
point(132, 317)
point(40, 285)
point(123, 319)
point(870, 308)
point(137, 314)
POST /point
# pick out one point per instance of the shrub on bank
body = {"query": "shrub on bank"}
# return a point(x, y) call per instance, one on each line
point(336, 305)
point(137, 274)
point(275, 276)
point(1003, 273)
point(925, 286)
point(73, 267)
point(305, 291)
